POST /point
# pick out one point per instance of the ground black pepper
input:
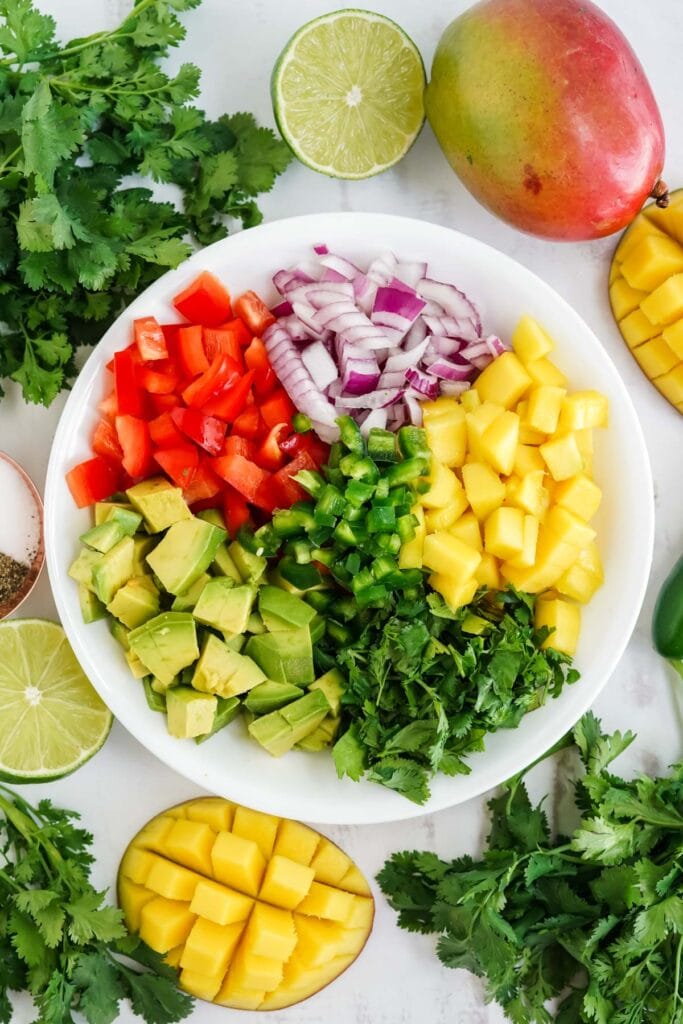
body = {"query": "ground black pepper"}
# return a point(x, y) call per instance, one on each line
point(12, 575)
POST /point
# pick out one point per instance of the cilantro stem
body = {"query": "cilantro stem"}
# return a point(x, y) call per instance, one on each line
point(7, 162)
point(677, 980)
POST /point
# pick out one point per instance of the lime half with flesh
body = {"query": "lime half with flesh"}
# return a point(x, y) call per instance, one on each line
point(51, 718)
point(348, 93)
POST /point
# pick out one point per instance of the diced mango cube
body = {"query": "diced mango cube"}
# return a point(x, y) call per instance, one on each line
point(444, 406)
point(529, 340)
point(554, 550)
point(455, 593)
point(270, 933)
point(636, 328)
point(584, 410)
point(526, 558)
point(319, 941)
point(362, 913)
point(580, 495)
point(220, 904)
point(564, 618)
point(624, 299)
point(468, 529)
point(484, 489)
point(562, 456)
point(449, 556)
point(665, 303)
point(209, 947)
point(568, 527)
point(410, 555)
point(673, 336)
point(200, 985)
point(655, 357)
point(589, 559)
point(503, 381)
point(330, 863)
point(651, 261)
point(286, 882)
point(577, 583)
point(671, 384)
point(532, 581)
point(447, 436)
point(639, 230)
point(442, 518)
point(498, 444)
point(354, 881)
point(527, 459)
point(173, 956)
point(530, 494)
point(136, 864)
point(249, 971)
point(239, 998)
point(190, 843)
point(470, 400)
point(165, 923)
point(477, 422)
point(584, 440)
point(212, 811)
point(296, 841)
point(487, 574)
point(262, 828)
point(326, 901)
point(543, 408)
point(542, 371)
point(171, 880)
point(238, 862)
point(152, 835)
point(504, 532)
point(443, 486)
point(134, 897)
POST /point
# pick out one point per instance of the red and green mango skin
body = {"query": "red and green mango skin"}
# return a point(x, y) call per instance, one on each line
point(544, 112)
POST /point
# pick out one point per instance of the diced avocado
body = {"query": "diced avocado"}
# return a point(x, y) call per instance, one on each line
point(317, 628)
point(226, 711)
point(213, 516)
point(277, 580)
point(285, 657)
point(103, 537)
point(222, 671)
point(332, 685)
point(186, 551)
point(135, 602)
point(142, 546)
point(161, 687)
point(159, 502)
point(280, 610)
point(250, 567)
point(166, 644)
point(113, 570)
point(235, 641)
point(270, 696)
point(245, 675)
point(186, 601)
point(280, 730)
point(81, 568)
point(129, 521)
point(155, 701)
point(255, 624)
point(321, 737)
point(120, 633)
point(92, 608)
point(135, 665)
point(223, 565)
point(103, 509)
point(225, 606)
point(189, 713)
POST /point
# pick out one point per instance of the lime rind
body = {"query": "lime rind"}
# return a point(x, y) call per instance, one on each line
point(51, 719)
point(344, 123)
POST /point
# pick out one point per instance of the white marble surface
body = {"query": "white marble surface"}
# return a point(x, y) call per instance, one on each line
point(398, 980)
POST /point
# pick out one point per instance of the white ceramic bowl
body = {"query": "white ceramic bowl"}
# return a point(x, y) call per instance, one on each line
point(302, 785)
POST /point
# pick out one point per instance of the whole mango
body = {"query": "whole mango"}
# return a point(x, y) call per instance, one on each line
point(544, 112)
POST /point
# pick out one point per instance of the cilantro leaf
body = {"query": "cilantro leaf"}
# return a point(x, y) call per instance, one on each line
point(26, 33)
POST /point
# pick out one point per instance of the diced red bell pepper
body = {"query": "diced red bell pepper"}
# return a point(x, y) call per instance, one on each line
point(204, 484)
point(236, 445)
point(158, 381)
point(256, 315)
point(205, 301)
point(150, 339)
point(222, 339)
point(235, 511)
point(221, 372)
point(309, 442)
point(179, 463)
point(277, 408)
point(164, 432)
point(242, 474)
point(136, 444)
point(106, 443)
point(249, 423)
point(256, 359)
point(286, 489)
point(206, 431)
point(163, 403)
point(240, 329)
point(170, 332)
point(232, 399)
point(191, 354)
point(108, 406)
point(128, 394)
point(269, 454)
point(93, 480)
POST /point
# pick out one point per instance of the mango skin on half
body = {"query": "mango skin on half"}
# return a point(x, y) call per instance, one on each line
point(255, 912)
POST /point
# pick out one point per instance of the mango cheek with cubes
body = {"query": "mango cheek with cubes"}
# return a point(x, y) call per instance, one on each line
point(255, 912)
point(510, 494)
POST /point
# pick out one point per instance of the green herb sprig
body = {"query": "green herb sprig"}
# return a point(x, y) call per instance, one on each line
point(77, 241)
point(593, 920)
point(59, 940)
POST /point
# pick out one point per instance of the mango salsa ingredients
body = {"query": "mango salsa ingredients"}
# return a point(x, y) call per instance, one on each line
point(255, 911)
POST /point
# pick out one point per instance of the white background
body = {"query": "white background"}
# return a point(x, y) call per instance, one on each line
point(398, 979)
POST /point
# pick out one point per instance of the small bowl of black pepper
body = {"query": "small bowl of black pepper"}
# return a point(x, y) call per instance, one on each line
point(22, 552)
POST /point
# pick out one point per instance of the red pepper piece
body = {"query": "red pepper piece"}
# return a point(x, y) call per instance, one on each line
point(204, 484)
point(309, 442)
point(106, 443)
point(163, 403)
point(231, 401)
point(235, 511)
point(254, 312)
point(244, 335)
point(164, 432)
point(206, 431)
point(256, 359)
point(161, 381)
point(222, 339)
point(179, 463)
point(108, 406)
point(236, 445)
point(222, 371)
point(277, 408)
point(136, 444)
point(205, 301)
point(128, 394)
point(191, 355)
point(93, 480)
point(269, 454)
point(150, 339)
point(242, 474)
point(288, 490)
point(249, 422)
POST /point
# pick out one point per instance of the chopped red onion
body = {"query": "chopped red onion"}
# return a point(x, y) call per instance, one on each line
point(427, 386)
point(319, 364)
point(377, 418)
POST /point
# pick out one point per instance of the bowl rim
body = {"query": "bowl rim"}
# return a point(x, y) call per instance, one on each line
point(304, 228)
point(13, 603)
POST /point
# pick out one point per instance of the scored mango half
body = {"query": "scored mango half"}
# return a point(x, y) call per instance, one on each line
point(256, 912)
point(646, 295)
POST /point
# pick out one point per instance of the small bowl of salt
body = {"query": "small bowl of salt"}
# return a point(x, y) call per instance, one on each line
point(22, 552)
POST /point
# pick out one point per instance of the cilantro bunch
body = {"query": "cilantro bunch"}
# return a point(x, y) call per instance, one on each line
point(592, 920)
point(427, 684)
point(59, 941)
point(79, 238)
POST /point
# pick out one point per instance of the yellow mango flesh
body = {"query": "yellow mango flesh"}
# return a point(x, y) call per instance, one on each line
point(254, 911)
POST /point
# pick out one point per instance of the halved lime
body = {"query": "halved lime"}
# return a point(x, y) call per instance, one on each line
point(51, 719)
point(347, 93)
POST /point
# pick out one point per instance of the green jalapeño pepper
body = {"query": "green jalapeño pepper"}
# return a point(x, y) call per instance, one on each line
point(667, 622)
